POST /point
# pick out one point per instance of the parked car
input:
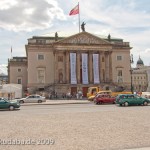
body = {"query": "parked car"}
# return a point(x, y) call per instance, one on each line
point(104, 98)
point(32, 99)
point(131, 99)
point(6, 104)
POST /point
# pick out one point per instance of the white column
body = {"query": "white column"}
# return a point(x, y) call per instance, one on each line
point(67, 67)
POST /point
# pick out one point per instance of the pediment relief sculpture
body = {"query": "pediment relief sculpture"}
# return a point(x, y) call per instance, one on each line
point(84, 38)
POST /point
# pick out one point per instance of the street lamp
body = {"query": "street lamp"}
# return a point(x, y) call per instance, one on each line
point(140, 88)
point(131, 71)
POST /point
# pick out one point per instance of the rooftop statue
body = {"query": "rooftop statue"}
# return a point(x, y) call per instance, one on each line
point(56, 36)
point(83, 26)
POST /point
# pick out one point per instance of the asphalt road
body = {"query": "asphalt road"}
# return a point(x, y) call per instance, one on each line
point(75, 127)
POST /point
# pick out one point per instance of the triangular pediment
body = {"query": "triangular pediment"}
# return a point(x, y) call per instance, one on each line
point(83, 38)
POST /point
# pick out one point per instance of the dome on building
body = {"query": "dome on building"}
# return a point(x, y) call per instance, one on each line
point(140, 62)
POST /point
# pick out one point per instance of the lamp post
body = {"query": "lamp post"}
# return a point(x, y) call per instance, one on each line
point(140, 88)
point(131, 71)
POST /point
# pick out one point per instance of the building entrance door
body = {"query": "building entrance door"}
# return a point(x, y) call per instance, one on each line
point(85, 90)
point(73, 91)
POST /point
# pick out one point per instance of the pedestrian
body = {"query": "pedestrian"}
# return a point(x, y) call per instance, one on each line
point(63, 95)
point(79, 94)
point(50, 95)
point(55, 94)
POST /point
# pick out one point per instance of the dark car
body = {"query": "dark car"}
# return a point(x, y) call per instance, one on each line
point(131, 99)
point(104, 98)
point(6, 104)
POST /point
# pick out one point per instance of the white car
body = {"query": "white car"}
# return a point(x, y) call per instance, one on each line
point(32, 99)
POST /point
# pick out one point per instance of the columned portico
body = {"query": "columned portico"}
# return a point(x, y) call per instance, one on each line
point(106, 66)
point(67, 67)
point(90, 70)
point(56, 67)
point(110, 66)
point(100, 66)
point(78, 67)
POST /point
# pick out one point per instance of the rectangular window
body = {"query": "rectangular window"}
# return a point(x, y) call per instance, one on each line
point(119, 72)
point(19, 69)
point(119, 77)
point(41, 75)
point(119, 58)
point(40, 57)
point(19, 81)
point(103, 59)
point(40, 41)
point(60, 58)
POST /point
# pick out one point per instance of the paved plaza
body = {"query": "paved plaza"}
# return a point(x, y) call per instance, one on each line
point(82, 126)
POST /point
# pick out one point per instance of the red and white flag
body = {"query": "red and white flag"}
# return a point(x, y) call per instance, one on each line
point(74, 11)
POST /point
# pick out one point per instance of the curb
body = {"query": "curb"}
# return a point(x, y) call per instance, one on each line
point(31, 104)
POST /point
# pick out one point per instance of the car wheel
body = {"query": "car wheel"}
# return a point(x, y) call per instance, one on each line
point(126, 104)
point(11, 107)
point(39, 101)
point(100, 103)
point(120, 104)
point(21, 102)
point(145, 103)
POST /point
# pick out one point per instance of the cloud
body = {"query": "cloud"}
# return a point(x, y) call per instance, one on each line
point(29, 15)
point(7, 4)
point(3, 69)
point(147, 50)
point(125, 19)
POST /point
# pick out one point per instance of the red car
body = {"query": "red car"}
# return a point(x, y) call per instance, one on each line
point(104, 98)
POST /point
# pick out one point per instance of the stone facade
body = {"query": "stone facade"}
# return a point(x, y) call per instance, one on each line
point(48, 63)
point(140, 77)
point(17, 71)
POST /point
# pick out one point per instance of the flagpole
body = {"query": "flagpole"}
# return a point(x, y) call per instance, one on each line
point(11, 52)
point(79, 17)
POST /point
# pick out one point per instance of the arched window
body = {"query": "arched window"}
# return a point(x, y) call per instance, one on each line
point(60, 76)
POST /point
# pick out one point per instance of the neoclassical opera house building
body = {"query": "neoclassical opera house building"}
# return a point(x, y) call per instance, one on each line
point(72, 63)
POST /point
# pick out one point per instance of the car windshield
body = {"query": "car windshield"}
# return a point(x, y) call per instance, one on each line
point(136, 96)
point(5, 99)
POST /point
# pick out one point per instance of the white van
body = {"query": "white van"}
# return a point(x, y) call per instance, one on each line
point(146, 95)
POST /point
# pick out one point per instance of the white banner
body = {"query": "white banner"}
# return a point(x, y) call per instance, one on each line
point(96, 68)
point(85, 69)
point(73, 68)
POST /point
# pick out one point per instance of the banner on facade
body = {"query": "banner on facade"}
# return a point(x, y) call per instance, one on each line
point(73, 68)
point(96, 68)
point(85, 69)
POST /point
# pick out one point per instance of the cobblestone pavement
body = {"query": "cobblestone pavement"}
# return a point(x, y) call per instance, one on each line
point(75, 127)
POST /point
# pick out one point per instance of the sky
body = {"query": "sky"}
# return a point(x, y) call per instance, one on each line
point(125, 19)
